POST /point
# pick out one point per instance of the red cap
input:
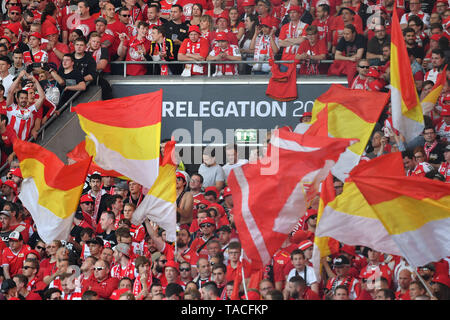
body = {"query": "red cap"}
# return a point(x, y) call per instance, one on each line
point(442, 1)
point(219, 208)
point(171, 264)
point(309, 214)
point(16, 172)
point(221, 36)
point(11, 184)
point(194, 28)
point(295, 8)
point(442, 278)
point(208, 220)
point(36, 35)
point(248, 3)
point(212, 188)
point(180, 175)
point(224, 15)
point(373, 72)
point(7, 38)
point(205, 202)
point(435, 37)
point(305, 244)
point(86, 198)
point(445, 111)
point(307, 114)
point(226, 192)
point(15, 8)
point(267, 21)
point(117, 293)
point(14, 27)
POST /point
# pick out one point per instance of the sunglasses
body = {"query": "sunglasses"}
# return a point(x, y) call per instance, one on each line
point(14, 13)
point(163, 261)
point(126, 15)
point(364, 67)
point(99, 268)
point(185, 269)
point(206, 225)
point(40, 248)
point(27, 267)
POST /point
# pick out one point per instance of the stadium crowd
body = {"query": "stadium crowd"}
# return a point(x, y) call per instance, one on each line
point(49, 50)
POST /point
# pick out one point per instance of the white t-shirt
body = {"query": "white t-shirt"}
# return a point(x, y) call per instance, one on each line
point(310, 275)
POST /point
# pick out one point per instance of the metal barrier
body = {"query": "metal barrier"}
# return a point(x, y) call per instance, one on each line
point(209, 63)
point(48, 122)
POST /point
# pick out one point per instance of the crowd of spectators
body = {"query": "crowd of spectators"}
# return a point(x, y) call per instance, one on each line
point(50, 50)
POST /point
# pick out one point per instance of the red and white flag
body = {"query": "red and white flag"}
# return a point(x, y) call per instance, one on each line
point(271, 196)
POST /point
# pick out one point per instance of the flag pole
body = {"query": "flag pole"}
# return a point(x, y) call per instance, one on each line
point(425, 284)
point(243, 281)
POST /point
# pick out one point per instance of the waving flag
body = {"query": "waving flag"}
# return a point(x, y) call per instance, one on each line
point(159, 205)
point(407, 114)
point(324, 246)
point(124, 134)
point(79, 153)
point(50, 190)
point(414, 211)
point(350, 114)
point(350, 219)
point(432, 97)
point(270, 196)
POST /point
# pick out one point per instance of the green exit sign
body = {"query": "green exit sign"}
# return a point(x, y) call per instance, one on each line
point(246, 135)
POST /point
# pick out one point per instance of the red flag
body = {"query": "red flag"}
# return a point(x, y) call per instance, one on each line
point(282, 85)
point(270, 196)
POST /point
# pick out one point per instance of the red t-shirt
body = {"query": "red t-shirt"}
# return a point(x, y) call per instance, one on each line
point(313, 50)
point(15, 260)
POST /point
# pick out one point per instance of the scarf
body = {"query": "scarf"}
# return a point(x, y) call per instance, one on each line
point(226, 69)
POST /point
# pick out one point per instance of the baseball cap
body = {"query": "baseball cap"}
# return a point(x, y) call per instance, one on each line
point(16, 172)
point(447, 148)
point(221, 36)
point(435, 37)
point(226, 192)
point(294, 8)
point(305, 244)
point(180, 175)
point(351, 250)
point(7, 38)
point(6, 213)
point(310, 213)
point(373, 72)
point(8, 284)
point(125, 249)
point(194, 28)
point(212, 188)
point(208, 220)
point(86, 198)
point(224, 228)
point(49, 29)
point(267, 21)
point(341, 261)
point(11, 184)
point(117, 293)
point(223, 15)
point(96, 240)
point(218, 208)
point(248, 3)
point(36, 35)
point(429, 266)
point(171, 264)
point(442, 278)
point(14, 27)
point(15, 235)
point(15, 8)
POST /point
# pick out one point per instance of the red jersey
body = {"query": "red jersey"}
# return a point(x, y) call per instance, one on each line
point(420, 170)
point(52, 57)
point(14, 260)
point(402, 296)
point(444, 169)
point(22, 120)
point(324, 28)
point(292, 30)
point(40, 56)
point(200, 47)
point(307, 66)
point(137, 49)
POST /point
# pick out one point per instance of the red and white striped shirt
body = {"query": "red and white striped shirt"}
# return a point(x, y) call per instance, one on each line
point(40, 56)
point(118, 272)
point(21, 120)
